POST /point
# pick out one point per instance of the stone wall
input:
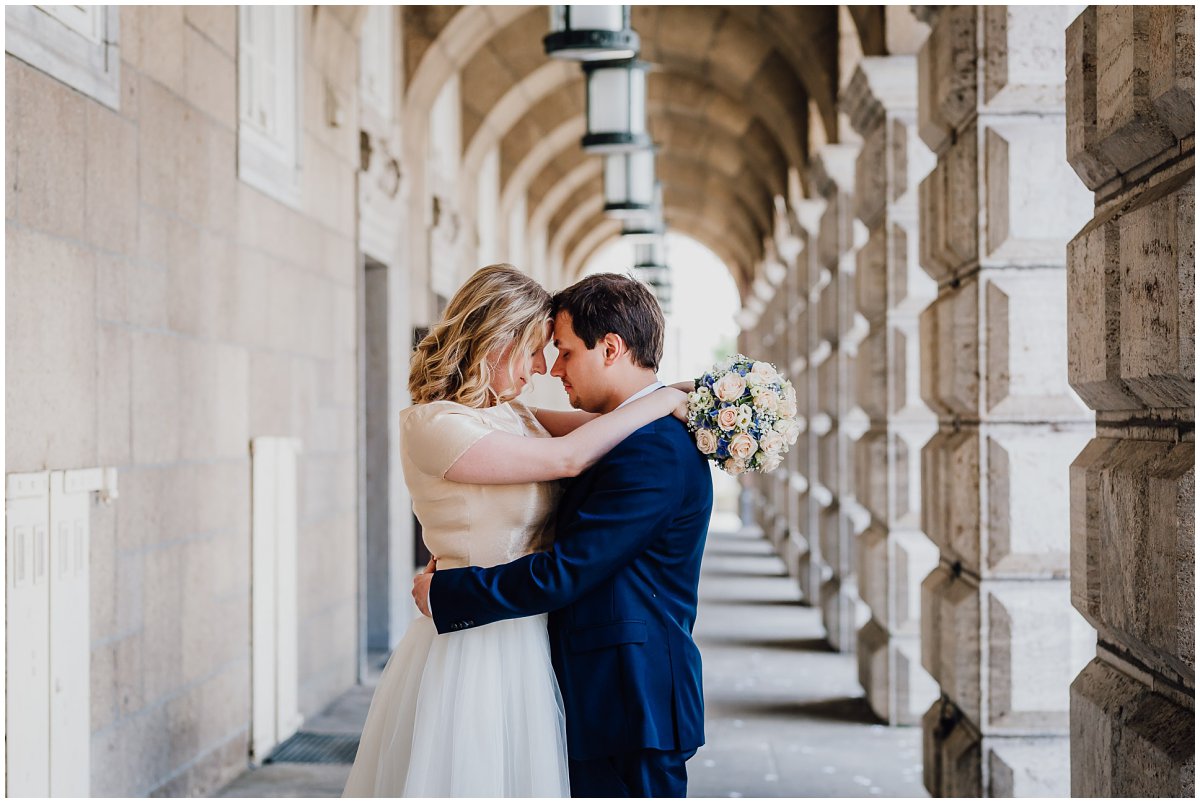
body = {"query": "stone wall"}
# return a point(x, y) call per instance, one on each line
point(1132, 327)
point(997, 629)
point(162, 314)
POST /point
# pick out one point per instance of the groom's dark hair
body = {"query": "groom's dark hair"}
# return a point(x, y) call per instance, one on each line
point(608, 302)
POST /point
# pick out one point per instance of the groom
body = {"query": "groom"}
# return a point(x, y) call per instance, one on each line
point(621, 580)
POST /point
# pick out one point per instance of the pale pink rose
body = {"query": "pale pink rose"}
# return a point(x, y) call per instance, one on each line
point(787, 408)
point(730, 387)
point(734, 467)
point(706, 441)
point(767, 400)
point(772, 443)
point(727, 418)
point(771, 462)
point(742, 446)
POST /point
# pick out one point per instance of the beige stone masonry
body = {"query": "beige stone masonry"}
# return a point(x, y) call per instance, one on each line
point(996, 212)
point(1131, 351)
point(893, 555)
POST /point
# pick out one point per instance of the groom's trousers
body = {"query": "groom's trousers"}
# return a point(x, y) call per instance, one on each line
point(639, 773)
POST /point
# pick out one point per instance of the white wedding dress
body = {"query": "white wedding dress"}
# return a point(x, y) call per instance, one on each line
point(476, 713)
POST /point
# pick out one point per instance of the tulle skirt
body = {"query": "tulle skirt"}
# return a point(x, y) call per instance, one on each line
point(476, 713)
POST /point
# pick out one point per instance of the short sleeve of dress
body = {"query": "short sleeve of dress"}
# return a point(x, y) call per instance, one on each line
point(436, 434)
point(528, 416)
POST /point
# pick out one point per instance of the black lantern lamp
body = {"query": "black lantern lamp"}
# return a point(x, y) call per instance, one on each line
point(649, 225)
point(590, 33)
point(629, 184)
point(650, 266)
point(616, 106)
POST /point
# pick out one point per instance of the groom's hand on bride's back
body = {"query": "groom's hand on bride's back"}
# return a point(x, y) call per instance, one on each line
point(421, 583)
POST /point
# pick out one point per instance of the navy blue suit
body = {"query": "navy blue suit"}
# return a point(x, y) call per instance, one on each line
point(621, 583)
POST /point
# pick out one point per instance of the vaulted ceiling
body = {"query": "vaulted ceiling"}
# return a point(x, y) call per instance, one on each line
point(729, 99)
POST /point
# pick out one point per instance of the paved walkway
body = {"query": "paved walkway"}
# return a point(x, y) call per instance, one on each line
point(785, 714)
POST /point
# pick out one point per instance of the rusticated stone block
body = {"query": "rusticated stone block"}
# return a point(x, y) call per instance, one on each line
point(1031, 767)
point(1035, 644)
point(949, 204)
point(888, 473)
point(950, 352)
point(1133, 546)
point(842, 612)
point(871, 176)
point(1094, 318)
point(891, 568)
point(898, 689)
point(1173, 67)
point(1022, 57)
point(1023, 530)
point(1025, 372)
point(1034, 203)
point(1128, 126)
point(1024, 326)
point(931, 198)
point(872, 369)
point(952, 753)
point(871, 275)
point(1083, 149)
point(1158, 295)
point(956, 753)
point(946, 68)
point(1128, 741)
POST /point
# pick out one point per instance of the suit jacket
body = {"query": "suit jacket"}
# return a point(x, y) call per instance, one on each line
point(621, 583)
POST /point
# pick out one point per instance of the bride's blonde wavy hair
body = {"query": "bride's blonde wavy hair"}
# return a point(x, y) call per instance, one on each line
point(497, 307)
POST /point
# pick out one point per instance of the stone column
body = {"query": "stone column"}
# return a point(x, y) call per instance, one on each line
point(894, 554)
point(811, 570)
point(1131, 350)
point(838, 422)
point(997, 629)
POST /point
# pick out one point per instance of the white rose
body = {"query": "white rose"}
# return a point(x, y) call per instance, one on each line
point(734, 467)
point(770, 462)
point(745, 416)
point(730, 387)
point(789, 429)
point(772, 443)
point(742, 446)
point(706, 441)
point(767, 401)
point(787, 408)
point(765, 371)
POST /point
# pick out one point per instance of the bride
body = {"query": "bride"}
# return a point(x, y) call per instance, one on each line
point(478, 713)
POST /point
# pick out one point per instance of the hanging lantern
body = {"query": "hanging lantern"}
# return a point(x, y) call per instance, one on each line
point(646, 225)
point(616, 106)
point(629, 184)
point(650, 266)
point(590, 33)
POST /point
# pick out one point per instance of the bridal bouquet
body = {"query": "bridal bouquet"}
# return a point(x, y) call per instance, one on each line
point(743, 415)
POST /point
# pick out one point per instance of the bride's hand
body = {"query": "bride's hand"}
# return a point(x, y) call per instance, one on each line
point(679, 401)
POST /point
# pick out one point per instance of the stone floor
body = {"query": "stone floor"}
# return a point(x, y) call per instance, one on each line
point(785, 714)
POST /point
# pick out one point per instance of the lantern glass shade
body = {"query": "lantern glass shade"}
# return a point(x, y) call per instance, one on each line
point(629, 183)
point(650, 266)
point(616, 107)
point(646, 224)
point(591, 33)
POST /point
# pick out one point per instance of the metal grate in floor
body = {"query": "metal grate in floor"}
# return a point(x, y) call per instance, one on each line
point(316, 748)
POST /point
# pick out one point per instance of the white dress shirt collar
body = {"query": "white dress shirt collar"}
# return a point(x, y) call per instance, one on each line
point(646, 391)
